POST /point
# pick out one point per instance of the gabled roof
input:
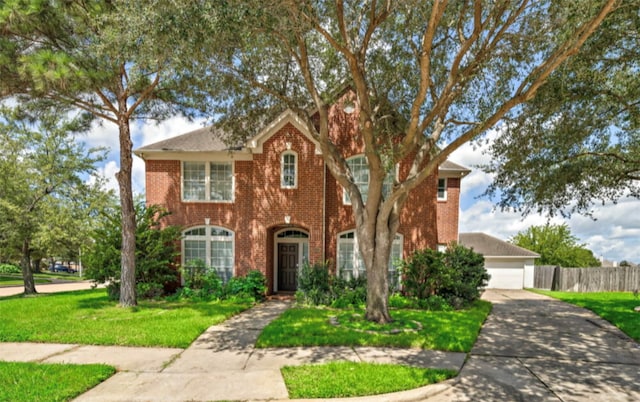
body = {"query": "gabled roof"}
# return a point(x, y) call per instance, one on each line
point(490, 246)
point(451, 169)
point(208, 139)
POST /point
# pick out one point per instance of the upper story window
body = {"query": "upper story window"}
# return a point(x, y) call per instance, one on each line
point(212, 246)
point(442, 189)
point(289, 170)
point(351, 265)
point(360, 171)
point(207, 181)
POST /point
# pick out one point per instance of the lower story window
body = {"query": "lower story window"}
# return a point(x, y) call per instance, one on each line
point(212, 246)
point(351, 265)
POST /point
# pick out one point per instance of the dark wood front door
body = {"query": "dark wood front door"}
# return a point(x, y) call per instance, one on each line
point(287, 266)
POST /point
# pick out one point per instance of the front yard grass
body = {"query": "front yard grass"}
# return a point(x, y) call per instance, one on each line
point(454, 331)
point(39, 278)
point(89, 317)
point(349, 379)
point(48, 382)
point(615, 307)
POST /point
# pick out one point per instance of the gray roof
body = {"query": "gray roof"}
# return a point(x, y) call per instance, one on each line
point(448, 166)
point(205, 139)
point(490, 246)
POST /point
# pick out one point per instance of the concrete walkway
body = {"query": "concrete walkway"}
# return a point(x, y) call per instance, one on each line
point(222, 364)
point(534, 348)
point(48, 288)
point(531, 348)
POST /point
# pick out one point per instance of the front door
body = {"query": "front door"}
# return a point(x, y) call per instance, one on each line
point(287, 266)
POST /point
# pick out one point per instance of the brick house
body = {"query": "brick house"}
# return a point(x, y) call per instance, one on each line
point(272, 203)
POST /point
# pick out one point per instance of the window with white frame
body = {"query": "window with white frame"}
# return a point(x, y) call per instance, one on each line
point(351, 265)
point(289, 170)
point(442, 189)
point(207, 181)
point(211, 245)
point(360, 171)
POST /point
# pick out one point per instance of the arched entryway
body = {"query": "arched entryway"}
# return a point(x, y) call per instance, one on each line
point(291, 251)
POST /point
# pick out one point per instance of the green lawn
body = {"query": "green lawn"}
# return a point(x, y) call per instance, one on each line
point(615, 307)
point(454, 331)
point(13, 280)
point(89, 317)
point(48, 382)
point(349, 379)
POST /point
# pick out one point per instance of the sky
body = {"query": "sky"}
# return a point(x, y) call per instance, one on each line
point(613, 235)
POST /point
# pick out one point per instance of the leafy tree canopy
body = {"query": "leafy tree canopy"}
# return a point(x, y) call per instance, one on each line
point(425, 78)
point(578, 142)
point(41, 168)
point(556, 246)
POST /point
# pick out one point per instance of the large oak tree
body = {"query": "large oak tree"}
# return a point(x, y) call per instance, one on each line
point(427, 77)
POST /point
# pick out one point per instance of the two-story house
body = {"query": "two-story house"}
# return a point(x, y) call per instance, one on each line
point(272, 203)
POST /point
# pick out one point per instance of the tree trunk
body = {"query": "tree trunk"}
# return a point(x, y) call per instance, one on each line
point(27, 273)
point(375, 249)
point(128, 253)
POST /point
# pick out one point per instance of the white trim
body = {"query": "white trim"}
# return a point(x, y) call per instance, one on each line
point(208, 238)
point(288, 116)
point(446, 189)
point(299, 240)
point(295, 169)
point(207, 179)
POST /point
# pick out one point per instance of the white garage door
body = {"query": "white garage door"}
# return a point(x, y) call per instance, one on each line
point(505, 274)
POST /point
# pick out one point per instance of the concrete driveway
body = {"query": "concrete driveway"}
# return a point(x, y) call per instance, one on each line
point(534, 348)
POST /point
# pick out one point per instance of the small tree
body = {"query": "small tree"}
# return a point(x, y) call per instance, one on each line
point(156, 252)
point(41, 164)
point(556, 246)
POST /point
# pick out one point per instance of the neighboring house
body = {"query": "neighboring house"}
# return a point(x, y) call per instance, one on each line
point(272, 203)
point(510, 266)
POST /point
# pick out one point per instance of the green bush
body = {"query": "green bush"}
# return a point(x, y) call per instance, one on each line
point(455, 277)
point(9, 269)
point(156, 251)
point(202, 283)
point(471, 275)
point(316, 286)
point(424, 274)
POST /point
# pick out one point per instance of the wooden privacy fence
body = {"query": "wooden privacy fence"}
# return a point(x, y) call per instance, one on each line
point(610, 279)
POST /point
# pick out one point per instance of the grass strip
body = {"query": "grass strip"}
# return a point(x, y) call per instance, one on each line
point(49, 382)
point(90, 318)
point(348, 379)
point(454, 331)
point(615, 307)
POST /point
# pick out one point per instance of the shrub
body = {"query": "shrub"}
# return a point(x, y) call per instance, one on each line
point(253, 285)
point(316, 286)
point(156, 250)
point(202, 283)
point(424, 274)
point(456, 277)
point(350, 292)
point(471, 275)
point(9, 269)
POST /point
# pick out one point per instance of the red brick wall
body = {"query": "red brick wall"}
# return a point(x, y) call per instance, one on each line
point(271, 203)
point(261, 205)
point(448, 212)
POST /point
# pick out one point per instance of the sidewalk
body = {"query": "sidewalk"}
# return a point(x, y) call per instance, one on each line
point(222, 364)
point(47, 288)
